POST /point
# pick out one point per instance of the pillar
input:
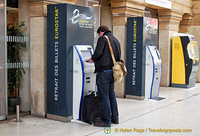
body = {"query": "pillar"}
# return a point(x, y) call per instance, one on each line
point(185, 23)
point(195, 27)
point(38, 18)
point(169, 22)
point(106, 14)
point(38, 58)
point(121, 10)
point(23, 12)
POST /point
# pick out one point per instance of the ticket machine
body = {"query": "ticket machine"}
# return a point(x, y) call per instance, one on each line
point(185, 60)
point(153, 71)
point(84, 78)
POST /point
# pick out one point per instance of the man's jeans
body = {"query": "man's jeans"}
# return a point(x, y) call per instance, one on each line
point(105, 86)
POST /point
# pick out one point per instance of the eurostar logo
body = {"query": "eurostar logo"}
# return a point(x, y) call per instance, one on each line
point(107, 130)
point(76, 15)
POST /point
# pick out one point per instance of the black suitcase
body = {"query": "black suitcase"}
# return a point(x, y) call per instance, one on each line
point(91, 108)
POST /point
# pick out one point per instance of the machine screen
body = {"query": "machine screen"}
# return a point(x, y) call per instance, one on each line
point(196, 49)
point(193, 50)
point(86, 54)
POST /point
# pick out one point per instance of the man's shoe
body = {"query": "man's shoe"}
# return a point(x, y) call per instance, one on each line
point(101, 124)
point(115, 121)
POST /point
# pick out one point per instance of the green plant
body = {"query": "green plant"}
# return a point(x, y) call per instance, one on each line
point(13, 56)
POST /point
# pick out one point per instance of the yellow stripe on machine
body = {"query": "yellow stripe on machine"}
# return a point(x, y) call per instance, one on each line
point(178, 63)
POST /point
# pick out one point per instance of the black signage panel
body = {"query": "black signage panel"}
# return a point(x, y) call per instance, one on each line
point(141, 31)
point(67, 25)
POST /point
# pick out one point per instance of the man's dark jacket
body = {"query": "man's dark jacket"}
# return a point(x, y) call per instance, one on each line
point(102, 56)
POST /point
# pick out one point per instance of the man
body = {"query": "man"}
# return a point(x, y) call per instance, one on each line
point(104, 80)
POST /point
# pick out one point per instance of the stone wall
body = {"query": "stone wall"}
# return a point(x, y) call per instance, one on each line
point(106, 14)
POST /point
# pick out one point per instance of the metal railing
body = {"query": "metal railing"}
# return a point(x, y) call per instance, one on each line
point(23, 64)
point(18, 65)
point(16, 39)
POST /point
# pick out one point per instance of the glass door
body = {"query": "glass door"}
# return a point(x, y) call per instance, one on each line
point(3, 59)
point(18, 57)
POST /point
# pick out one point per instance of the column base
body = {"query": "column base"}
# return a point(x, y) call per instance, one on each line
point(135, 97)
point(59, 118)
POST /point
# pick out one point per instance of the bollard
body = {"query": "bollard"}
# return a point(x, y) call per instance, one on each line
point(17, 113)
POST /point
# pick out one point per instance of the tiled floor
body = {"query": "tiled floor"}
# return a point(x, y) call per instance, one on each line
point(180, 111)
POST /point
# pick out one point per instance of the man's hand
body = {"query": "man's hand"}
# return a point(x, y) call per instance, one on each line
point(90, 60)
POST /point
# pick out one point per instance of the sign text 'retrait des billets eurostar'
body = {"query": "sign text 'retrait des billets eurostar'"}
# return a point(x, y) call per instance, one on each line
point(56, 87)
